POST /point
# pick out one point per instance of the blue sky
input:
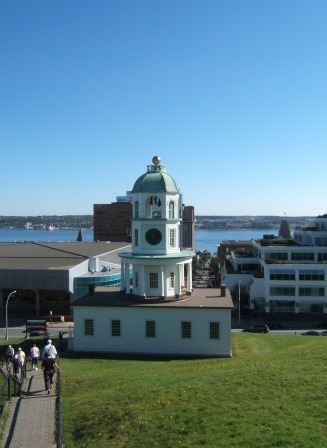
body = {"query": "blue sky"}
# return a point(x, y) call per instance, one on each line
point(231, 94)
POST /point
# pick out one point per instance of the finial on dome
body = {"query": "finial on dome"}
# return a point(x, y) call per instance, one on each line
point(156, 160)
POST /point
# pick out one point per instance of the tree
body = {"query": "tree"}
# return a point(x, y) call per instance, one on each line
point(197, 266)
point(214, 267)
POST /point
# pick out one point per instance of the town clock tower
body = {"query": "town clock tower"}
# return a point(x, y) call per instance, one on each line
point(159, 267)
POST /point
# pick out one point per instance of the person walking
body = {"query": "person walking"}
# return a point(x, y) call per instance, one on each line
point(20, 361)
point(10, 354)
point(35, 355)
point(45, 338)
point(48, 365)
point(49, 349)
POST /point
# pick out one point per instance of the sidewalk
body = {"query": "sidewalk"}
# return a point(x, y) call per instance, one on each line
point(32, 417)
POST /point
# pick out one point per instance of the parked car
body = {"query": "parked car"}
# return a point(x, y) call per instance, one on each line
point(311, 333)
point(274, 325)
point(322, 324)
point(257, 328)
point(324, 333)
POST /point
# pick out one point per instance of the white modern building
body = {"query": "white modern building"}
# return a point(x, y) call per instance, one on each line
point(157, 313)
point(284, 275)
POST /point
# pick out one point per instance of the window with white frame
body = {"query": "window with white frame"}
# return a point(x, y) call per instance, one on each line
point(314, 292)
point(186, 330)
point(214, 330)
point(172, 280)
point(154, 280)
point(115, 327)
point(171, 210)
point(150, 328)
point(312, 275)
point(282, 291)
point(282, 275)
point(88, 327)
point(136, 209)
point(302, 256)
point(280, 256)
point(172, 237)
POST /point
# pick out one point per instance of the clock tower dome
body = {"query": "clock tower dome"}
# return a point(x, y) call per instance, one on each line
point(158, 265)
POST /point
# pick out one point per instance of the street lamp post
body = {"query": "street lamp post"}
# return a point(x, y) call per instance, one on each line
point(7, 313)
point(239, 301)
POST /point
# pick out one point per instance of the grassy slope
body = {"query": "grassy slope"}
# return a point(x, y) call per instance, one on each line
point(272, 393)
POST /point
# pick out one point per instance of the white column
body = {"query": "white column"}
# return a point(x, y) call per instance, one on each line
point(127, 279)
point(178, 288)
point(122, 275)
point(142, 281)
point(189, 276)
point(181, 270)
point(163, 284)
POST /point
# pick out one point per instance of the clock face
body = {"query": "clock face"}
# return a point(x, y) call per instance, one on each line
point(153, 236)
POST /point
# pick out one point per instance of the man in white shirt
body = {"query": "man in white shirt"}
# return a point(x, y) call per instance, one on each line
point(20, 357)
point(19, 362)
point(35, 354)
point(50, 350)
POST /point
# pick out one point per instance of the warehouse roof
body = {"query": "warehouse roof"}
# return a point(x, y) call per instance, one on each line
point(31, 255)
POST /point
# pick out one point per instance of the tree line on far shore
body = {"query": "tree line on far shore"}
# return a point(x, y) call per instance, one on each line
point(60, 222)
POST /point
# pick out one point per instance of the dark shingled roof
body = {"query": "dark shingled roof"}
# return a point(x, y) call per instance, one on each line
point(55, 255)
point(201, 297)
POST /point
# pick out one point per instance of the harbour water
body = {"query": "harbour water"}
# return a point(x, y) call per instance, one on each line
point(204, 239)
point(210, 239)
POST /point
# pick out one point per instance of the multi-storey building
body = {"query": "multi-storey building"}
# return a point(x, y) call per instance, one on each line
point(112, 222)
point(225, 250)
point(188, 227)
point(284, 275)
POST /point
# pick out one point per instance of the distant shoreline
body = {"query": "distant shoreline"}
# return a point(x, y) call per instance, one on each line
point(204, 222)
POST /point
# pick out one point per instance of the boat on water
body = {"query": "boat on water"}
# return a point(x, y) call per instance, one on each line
point(50, 228)
point(29, 226)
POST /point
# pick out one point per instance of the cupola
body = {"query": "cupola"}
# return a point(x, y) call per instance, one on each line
point(155, 180)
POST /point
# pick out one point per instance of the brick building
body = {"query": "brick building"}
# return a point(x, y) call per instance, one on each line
point(188, 227)
point(112, 222)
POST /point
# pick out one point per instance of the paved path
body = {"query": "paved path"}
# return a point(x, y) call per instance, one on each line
point(32, 417)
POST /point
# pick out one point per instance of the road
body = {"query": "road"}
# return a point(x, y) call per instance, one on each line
point(19, 332)
point(294, 332)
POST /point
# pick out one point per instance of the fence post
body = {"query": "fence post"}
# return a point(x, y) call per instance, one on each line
point(9, 392)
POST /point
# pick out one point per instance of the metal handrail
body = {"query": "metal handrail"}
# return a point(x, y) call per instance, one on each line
point(6, 370)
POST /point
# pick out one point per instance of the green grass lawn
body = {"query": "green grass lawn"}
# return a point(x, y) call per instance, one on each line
point(272, 393)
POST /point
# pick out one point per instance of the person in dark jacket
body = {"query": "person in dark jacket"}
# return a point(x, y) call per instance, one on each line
point(48, 365)
point(10, 354)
